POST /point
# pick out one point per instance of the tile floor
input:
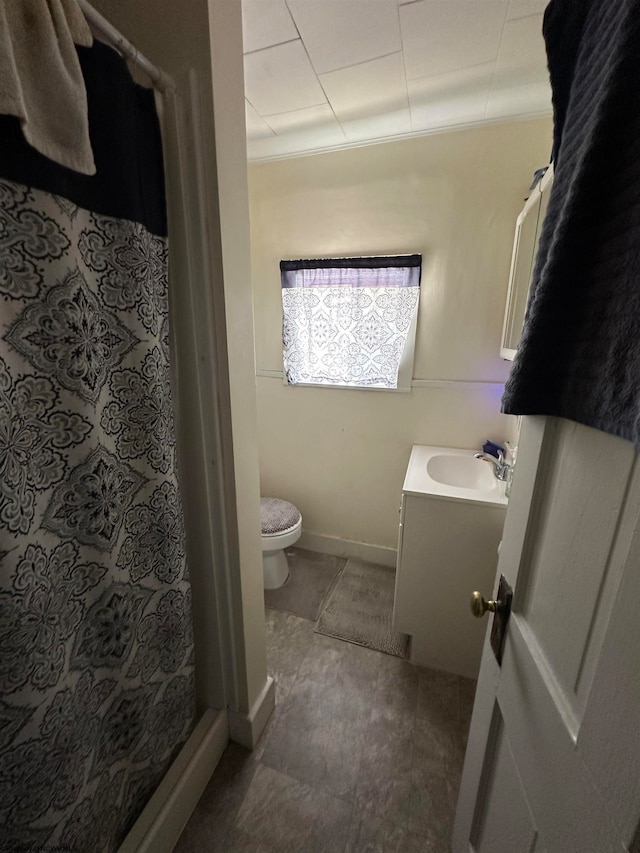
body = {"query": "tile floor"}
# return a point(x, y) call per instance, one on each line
point(363, 753)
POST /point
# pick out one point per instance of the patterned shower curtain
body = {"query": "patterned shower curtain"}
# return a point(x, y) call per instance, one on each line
point(96, 649)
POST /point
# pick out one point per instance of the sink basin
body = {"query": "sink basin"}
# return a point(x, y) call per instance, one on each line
point(465, 472)
point(452, 474)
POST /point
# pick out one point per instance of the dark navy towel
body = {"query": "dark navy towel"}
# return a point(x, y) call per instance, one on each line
point(579, 356)
point(126, 143)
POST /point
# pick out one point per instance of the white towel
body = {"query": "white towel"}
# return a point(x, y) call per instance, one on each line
point(41, 80)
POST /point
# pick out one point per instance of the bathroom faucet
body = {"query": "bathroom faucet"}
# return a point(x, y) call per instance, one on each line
point(500, 467)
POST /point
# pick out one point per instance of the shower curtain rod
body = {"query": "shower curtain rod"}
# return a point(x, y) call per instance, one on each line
point(160, 79)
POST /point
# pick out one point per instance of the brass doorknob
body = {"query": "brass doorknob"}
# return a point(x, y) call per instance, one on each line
point(479, 605)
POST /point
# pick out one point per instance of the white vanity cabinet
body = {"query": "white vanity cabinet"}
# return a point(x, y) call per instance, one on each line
point(447, 548)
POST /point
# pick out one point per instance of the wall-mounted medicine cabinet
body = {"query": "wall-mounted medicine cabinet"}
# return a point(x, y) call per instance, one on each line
point(525, 244)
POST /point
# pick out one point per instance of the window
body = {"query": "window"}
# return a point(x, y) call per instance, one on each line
point(350, 321)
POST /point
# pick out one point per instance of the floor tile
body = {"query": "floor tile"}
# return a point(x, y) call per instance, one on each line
point(321, 662)
point(384, 781)
point(355, 685)
point(219, 838)
point(360, 667)
point(387, 798)
point(364, 752)
point(434, 745)
point(229, 784)
point(292, 817)
point(396, 694)
point(237, 841)
point(439, 696)
point(220, 801)
point(409, 775)
point(260, 747)
point(321, 726)
point(288, 641)
point(432, 806)
point(313, 743)
point(369, 834)
point(203, 833)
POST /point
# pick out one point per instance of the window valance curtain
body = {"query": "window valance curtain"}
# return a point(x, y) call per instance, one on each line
point(350, 321)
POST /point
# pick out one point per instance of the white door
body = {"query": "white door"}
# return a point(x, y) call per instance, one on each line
point(553, 762)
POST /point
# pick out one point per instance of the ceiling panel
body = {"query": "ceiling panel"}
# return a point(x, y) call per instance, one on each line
point(512, 101)
point(322, 74)
point(522, 58)
point(441, 36)
point(279, 79)
point(257, 128)
point(377, 127)
point(311, 118)
point(265, 23)
point(524, 8)
point(450, 99)
point(299, 132)
point(339, 33)
point(371, 88)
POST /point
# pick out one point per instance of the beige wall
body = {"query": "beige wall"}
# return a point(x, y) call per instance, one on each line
point(341, 455)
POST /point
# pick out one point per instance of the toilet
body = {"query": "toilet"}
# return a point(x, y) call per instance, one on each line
point(281, 528)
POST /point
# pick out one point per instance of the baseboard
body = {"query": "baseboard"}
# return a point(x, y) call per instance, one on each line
point(347, 548)
point(246, 729)
point(160, 825)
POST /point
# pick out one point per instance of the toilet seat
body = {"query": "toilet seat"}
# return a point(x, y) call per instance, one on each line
point(284, 539)
point(281, 528)
point(278, 516)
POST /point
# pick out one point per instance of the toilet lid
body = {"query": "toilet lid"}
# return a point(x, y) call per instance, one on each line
point(278, 515)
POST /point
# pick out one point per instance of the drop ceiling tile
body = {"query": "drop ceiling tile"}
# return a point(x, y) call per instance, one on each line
point(440, 36)
point(522, 38)
point(371, 88)
point(309, 130)
point(377, 127)
point(513, 101)
point(524, 8)
point(280, 79)
point(339, 33)
point(257, 128)
point(522, 58)
point(262, 149)
point(319, 119)
point(521, 82)
point(265, 23)
point(459, 97)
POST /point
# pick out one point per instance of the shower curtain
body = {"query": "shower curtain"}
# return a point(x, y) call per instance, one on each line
point(96, 649)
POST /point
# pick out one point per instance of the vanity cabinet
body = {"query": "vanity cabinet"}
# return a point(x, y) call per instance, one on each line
point(447, 548)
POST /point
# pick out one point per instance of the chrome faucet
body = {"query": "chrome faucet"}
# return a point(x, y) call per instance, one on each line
point(500, 467)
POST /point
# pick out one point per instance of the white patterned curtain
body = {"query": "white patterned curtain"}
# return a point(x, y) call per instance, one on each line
point(96, 648)
point(350, 321)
